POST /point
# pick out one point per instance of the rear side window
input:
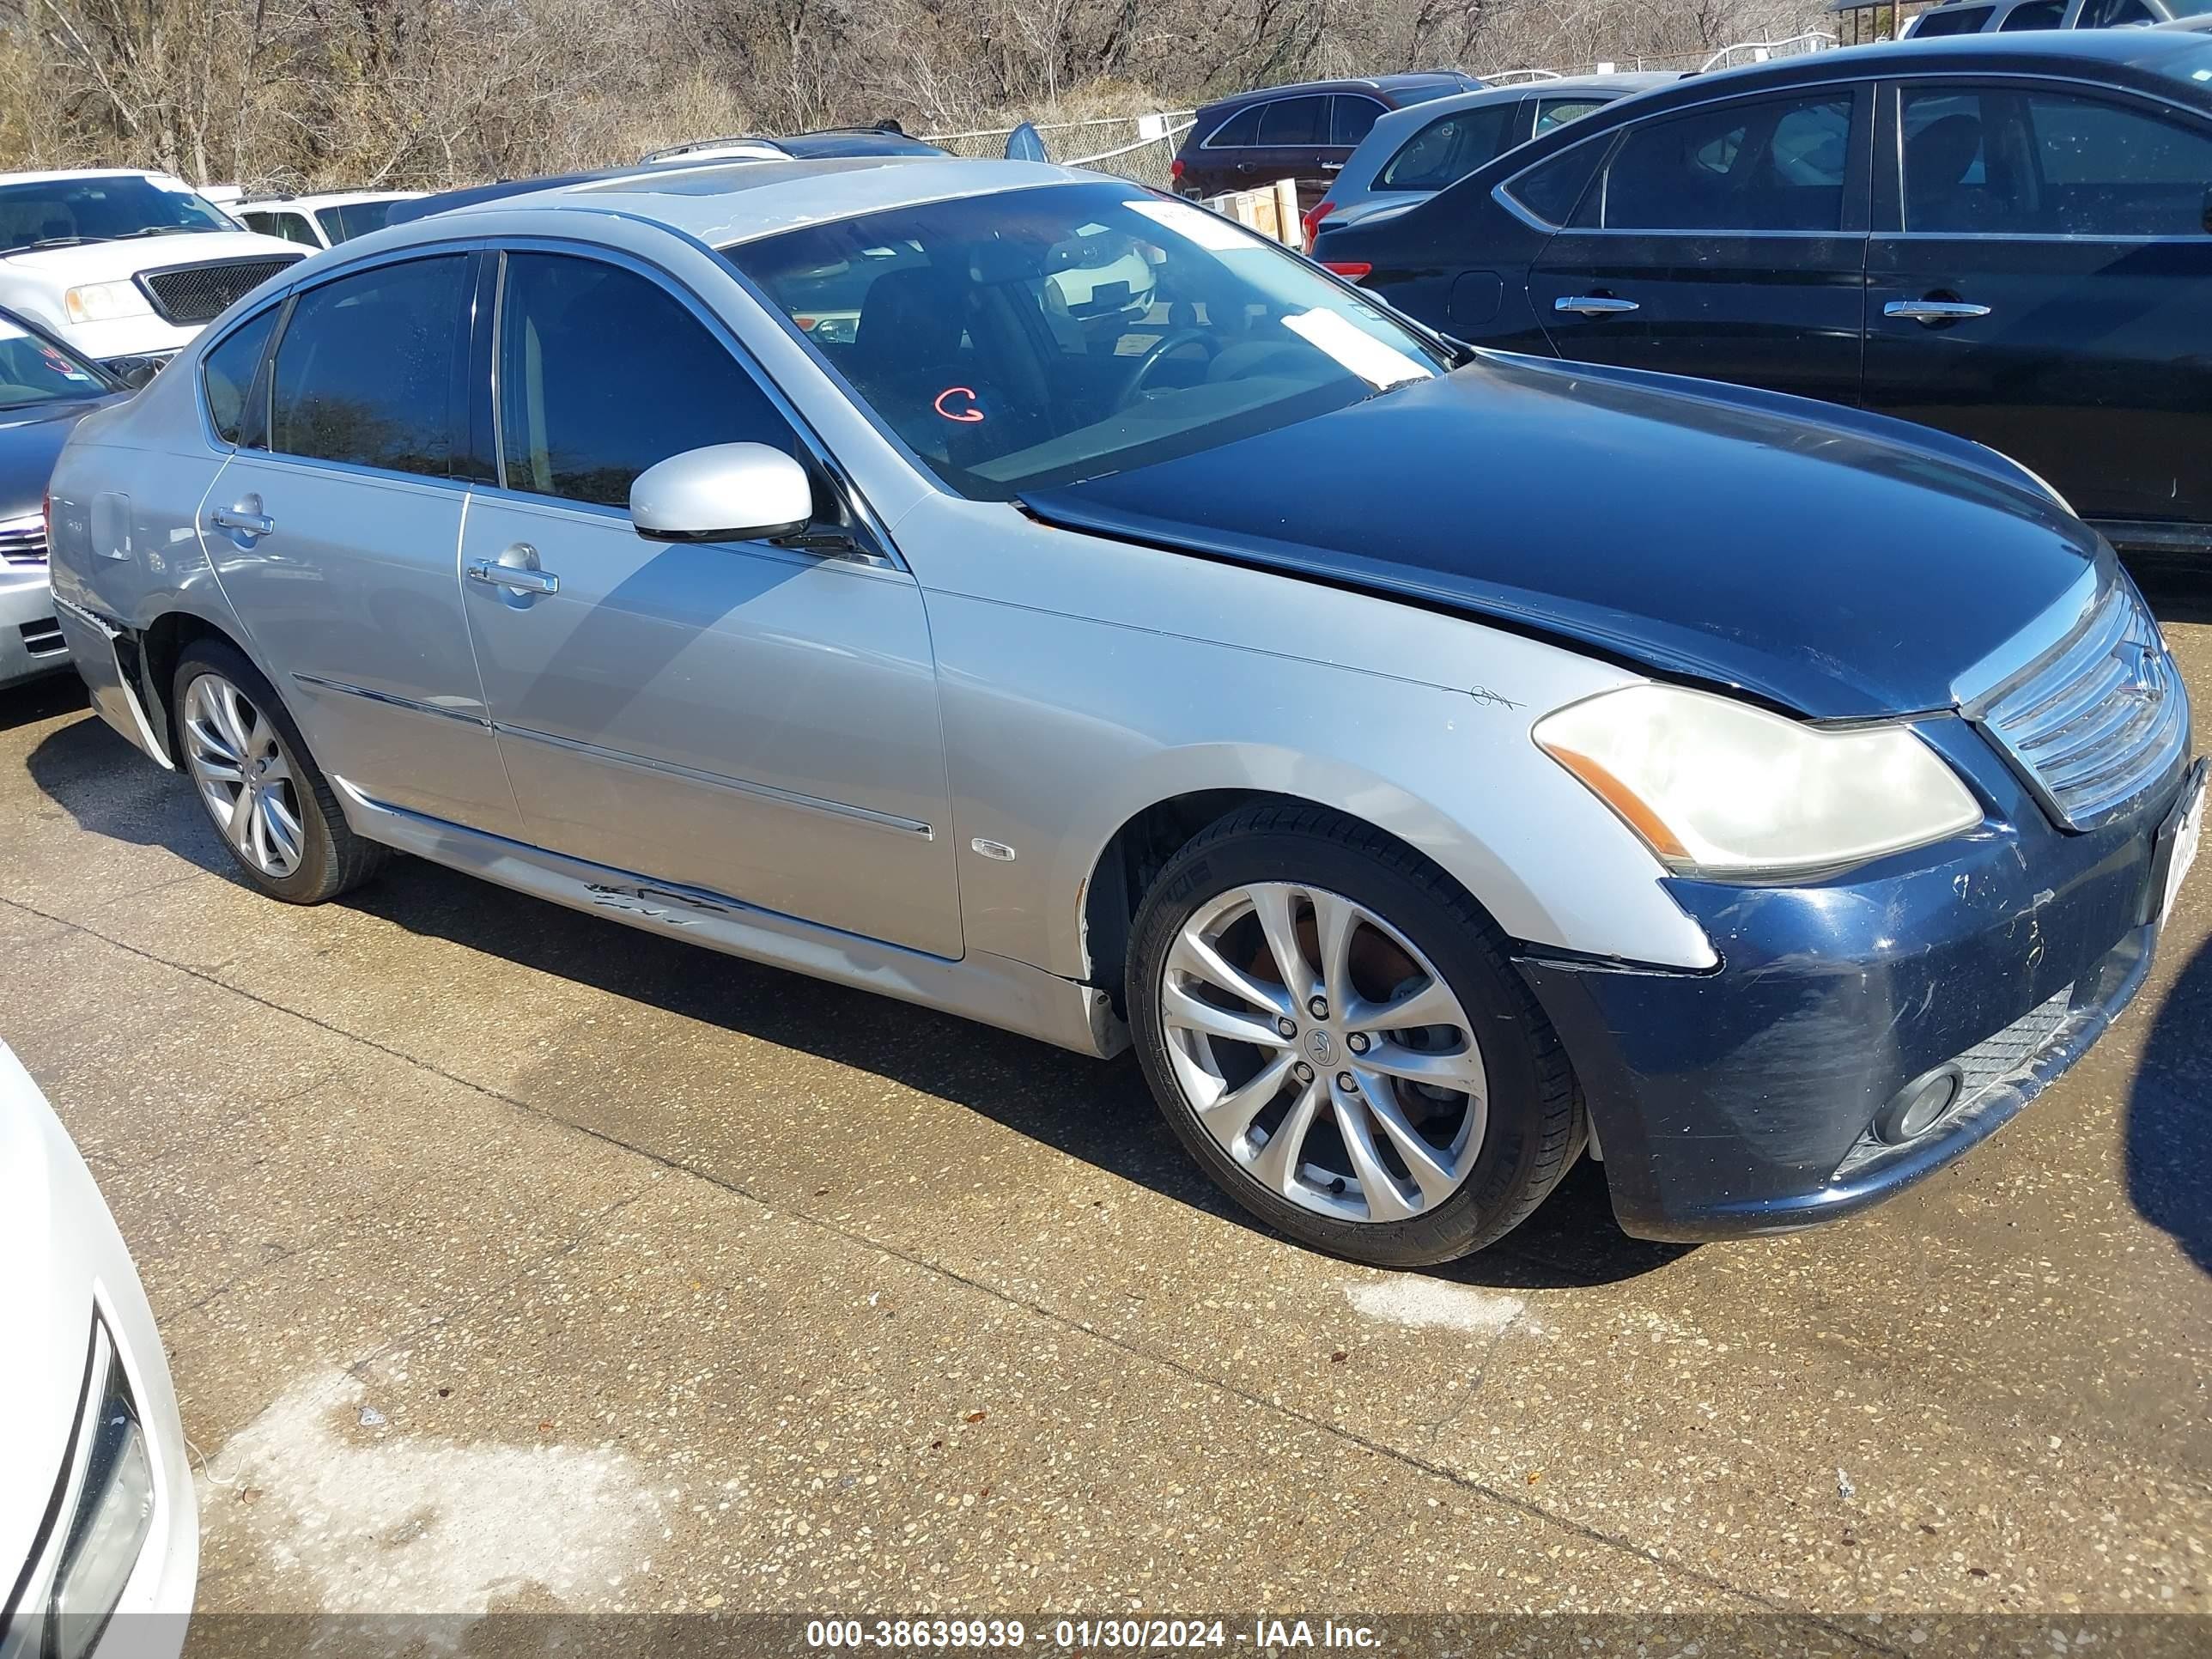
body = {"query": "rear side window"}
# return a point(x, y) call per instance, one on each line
point(1354, 119)
point(1239, 130)
point(1448, 148)
point(2001, 162)
point(1774, 165)
point(602, 373)
point(365, 372)
point(1951, 19)
point(2111, 13)
point(227, 373)
point(1294, 122)
point(1551, 190)
point(1558, 112)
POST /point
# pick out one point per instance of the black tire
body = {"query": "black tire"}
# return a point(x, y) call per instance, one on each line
point(332, 859)
point(1536, 1127)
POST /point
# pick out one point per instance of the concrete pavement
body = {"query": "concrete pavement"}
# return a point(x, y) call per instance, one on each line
point(511, 1259)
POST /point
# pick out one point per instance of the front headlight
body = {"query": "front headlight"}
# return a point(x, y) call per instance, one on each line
point(100, 302)
point(101, 1518)
point(1718, 788)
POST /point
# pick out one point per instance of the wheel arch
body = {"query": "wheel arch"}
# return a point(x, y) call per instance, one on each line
point(161, 646)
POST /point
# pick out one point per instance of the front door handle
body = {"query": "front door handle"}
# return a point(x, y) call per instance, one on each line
point(1332, 166)
point(1935, 311)
point(516, 570)
point(244, 519)
point(1594, 305)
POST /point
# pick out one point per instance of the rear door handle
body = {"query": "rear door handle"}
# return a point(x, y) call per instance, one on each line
point(1935, 311)
point(1594, 305)
point(1332, 166)
point(516, 579)
point(241, 522)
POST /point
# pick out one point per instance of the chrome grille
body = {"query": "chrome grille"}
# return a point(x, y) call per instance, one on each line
point(191, 294)
point(2097, 720)
point(24, 546)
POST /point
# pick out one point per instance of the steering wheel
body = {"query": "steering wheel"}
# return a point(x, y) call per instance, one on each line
point(1173, 340)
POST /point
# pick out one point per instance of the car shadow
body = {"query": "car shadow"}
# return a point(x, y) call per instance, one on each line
point(2168, 1134)
point(40, 700)
point(1101, 1114)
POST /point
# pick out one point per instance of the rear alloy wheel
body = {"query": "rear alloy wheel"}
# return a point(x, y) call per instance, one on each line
point(245, 778)
point(259, 787)
point(1333, 1028)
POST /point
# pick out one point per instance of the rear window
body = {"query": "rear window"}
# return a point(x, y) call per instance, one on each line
point(1448, 148)
point(1951, 19)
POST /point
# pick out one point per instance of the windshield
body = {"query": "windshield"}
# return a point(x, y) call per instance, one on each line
point(1037, 336)
point(347, 220)
point(60, 211)
point(34, 370)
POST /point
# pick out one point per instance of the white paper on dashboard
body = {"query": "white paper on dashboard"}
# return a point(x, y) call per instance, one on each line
point(1209, 230)
point(1377, 364)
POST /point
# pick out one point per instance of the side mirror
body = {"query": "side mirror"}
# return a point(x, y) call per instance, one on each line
point(138, 372)
point(723, 493)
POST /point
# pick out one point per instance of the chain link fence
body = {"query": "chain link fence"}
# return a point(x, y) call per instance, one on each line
point(1139, 147)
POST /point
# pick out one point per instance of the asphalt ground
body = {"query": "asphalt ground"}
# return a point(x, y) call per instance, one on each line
point(509, 1259)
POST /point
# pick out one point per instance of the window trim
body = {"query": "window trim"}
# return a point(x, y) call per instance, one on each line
point(1887, 218)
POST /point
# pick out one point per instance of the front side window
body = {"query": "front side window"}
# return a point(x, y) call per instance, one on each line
point(603, 373)
point(1775, 164)
point(1298, 122)
point(1032, 338)
point(2111, 14)
point(35, 370)
point(227, 373)
point(1353, 119)
point(365, 372)
point(103, 208)
point(2000, 160)
point(1448, 148)
point(2036, 15)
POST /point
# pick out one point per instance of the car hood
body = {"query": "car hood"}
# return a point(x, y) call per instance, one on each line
point(30, 438)
point(103, 262)
point(1839, 564)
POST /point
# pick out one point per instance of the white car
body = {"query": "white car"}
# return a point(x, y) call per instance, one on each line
point(126, 266)
point(97, 1515)
point(318, 221)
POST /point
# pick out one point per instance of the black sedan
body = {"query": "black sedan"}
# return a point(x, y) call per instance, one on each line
point(2006, 236)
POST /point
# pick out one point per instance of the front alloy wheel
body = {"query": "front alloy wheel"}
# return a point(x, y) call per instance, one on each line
point(1335, 1031)
point(1323, 1051)
point(244, 775)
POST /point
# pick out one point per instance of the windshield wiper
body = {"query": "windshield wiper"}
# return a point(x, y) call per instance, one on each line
point(55, 241)
point(161, 230)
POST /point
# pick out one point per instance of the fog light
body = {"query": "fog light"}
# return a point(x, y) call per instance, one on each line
point(1916, 1108)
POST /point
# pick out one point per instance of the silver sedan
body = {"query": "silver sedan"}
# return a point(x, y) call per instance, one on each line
point(1012, 590)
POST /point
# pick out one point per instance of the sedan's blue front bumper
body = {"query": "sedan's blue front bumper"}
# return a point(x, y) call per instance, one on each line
point(1741, 1100)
